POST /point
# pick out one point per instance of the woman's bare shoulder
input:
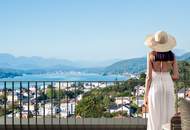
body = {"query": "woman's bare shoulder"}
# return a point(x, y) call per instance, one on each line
point(152, 55)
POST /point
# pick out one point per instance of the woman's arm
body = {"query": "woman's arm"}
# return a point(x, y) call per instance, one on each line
point(148, 78)
point(175, 75)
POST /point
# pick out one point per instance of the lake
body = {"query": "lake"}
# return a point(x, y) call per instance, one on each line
point(66, 77)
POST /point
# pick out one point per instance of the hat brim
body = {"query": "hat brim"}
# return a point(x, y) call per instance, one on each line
point(169, 45)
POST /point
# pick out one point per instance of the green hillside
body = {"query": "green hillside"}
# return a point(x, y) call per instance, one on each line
point(136, 65)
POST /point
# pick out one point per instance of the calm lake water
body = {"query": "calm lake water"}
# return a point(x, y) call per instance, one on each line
point(64, 77)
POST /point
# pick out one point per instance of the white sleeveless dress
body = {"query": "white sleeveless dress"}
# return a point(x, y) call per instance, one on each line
point(161, 100)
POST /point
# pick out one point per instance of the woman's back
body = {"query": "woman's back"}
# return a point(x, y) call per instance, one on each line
point(166, 66)
point(162, 62)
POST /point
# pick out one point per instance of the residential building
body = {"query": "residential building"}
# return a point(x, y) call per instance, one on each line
point(122, 100)
point(139, 101)
point(121, 107)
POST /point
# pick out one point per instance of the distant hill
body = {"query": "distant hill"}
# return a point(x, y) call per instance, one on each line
point(33, 63)
point(136, 65)
point(132, 66)
point(185, 57)
point(11, 66)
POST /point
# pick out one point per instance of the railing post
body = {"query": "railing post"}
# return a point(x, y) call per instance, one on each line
point(28, 104)
point(20, 104)
point(67, 105)
point(5, 104)
point(109, 106)
point(59, 93)
point(13, 105)
point(75, 102)
point(44, 102)
point(52, 91)
point(36, 104)
point(138, 103)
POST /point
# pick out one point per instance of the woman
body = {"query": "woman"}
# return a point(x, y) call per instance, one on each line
point(159, 95)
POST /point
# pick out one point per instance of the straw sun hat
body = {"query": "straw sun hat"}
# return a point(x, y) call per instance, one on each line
point(160, 42)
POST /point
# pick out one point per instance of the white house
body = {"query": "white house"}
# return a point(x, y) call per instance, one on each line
point(88, 85)
point(102, 85)
point(25, 94)
point(17, 91)
point(86, 89)
point(92, 85)
point(139, 101)
point(181, 93)
point(122, 100)
point(121, 107)
point(63, 85)
point(48, 110)
point(31, 107)
point(79, 97)
point(139, 90)
point(67, 108)
point(10, 98)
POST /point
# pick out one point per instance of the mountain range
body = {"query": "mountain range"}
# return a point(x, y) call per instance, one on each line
point(29, 63)
point(10, 64)
point(136, 65)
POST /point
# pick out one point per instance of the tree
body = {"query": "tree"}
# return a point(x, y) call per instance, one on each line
point(184, 71)
point(42, 97)
point(93, 105)
point(142, 76)
point(54, 93)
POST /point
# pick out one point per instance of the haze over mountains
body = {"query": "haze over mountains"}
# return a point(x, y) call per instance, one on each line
point(35, 64)
point(25, 63)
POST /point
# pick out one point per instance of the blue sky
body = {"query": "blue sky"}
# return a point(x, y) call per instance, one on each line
point(89, 29)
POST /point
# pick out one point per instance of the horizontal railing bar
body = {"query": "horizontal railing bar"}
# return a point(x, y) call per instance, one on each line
point(63, 81)
point(84, 81)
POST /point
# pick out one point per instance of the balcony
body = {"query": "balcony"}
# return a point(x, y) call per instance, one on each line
point(60, 105)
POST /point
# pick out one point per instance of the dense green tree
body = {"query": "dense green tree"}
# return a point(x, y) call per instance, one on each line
point(52, 92)
point(93, 105)
point(184, 71)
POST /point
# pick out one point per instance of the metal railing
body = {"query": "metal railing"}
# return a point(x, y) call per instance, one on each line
point(118, 104)
point(55, 103)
